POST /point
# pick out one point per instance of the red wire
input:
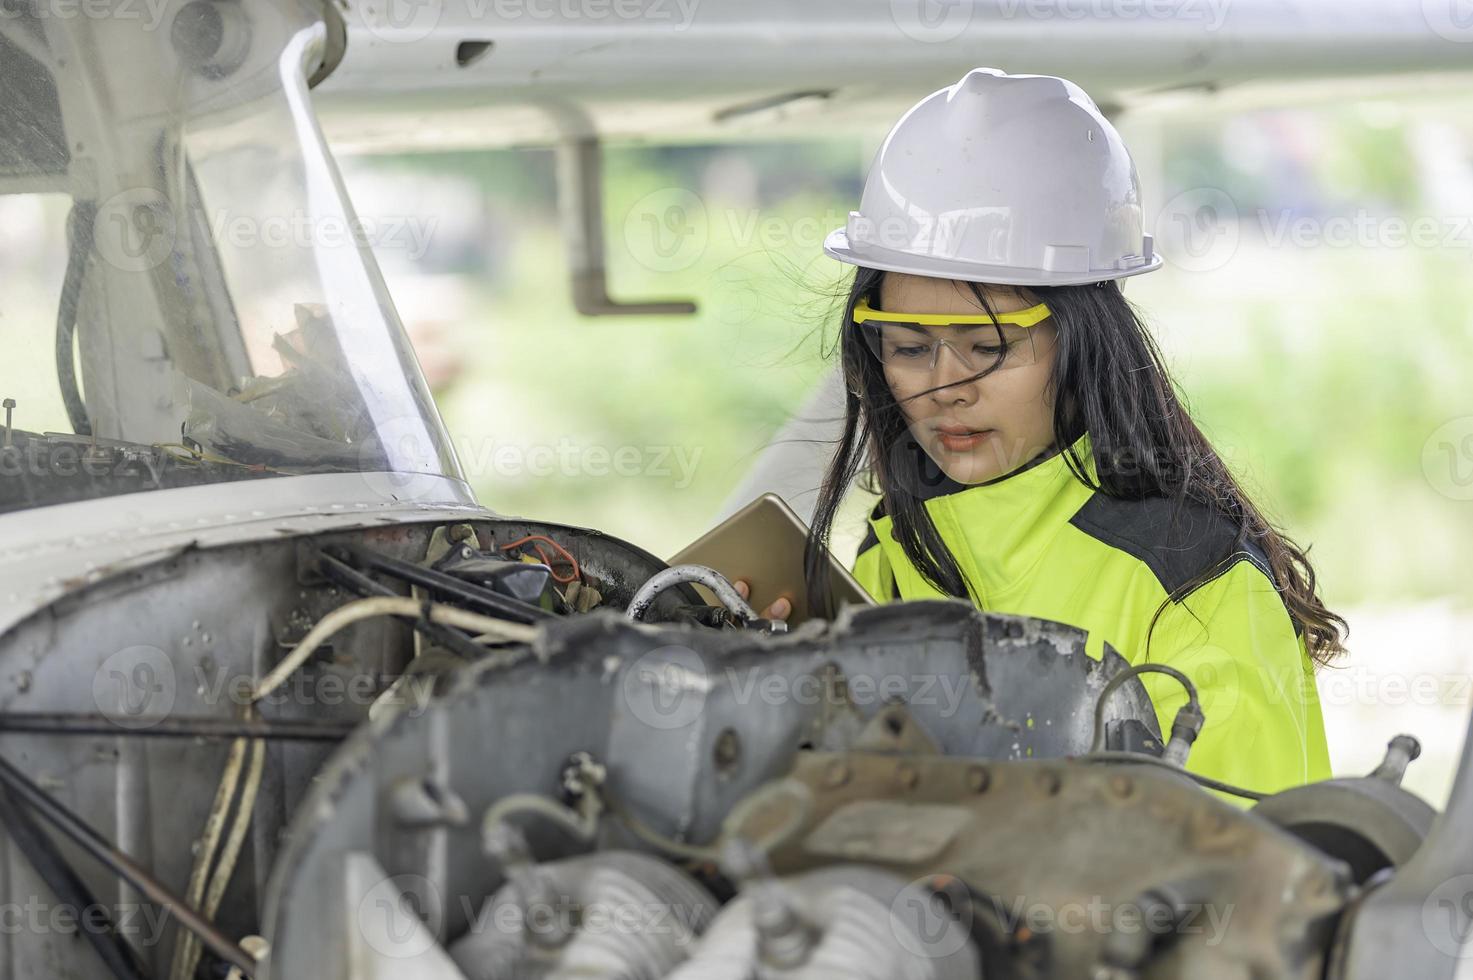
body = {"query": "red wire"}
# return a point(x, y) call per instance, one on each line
point(543, 555)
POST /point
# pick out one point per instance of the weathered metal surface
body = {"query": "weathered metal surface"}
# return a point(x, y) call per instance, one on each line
point(689, 722)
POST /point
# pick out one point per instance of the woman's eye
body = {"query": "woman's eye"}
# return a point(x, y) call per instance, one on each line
point(910, 350)
point(990, 350)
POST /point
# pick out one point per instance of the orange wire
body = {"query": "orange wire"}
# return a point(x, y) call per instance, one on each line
point(543, 555)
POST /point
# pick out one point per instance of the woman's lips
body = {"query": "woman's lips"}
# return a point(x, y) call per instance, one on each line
point(959, 440)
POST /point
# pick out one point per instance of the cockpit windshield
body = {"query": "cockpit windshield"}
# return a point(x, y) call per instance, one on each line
point(187, 295)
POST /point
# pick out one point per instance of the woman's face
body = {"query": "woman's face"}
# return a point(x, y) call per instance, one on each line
point(983, 429)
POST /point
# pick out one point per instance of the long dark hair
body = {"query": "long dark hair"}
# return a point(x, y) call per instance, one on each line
point(1109, 380)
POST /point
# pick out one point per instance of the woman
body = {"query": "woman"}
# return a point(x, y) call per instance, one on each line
point(1029, 448)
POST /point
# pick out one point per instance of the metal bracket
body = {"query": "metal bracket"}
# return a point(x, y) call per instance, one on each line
point(580, 211)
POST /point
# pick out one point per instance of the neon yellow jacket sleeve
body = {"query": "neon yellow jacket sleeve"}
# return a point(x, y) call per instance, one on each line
point(1234, 639)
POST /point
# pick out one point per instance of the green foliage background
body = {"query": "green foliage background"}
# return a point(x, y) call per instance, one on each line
point(1321, 371)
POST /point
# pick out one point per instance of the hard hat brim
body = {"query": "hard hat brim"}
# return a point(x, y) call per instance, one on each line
point(837, 246)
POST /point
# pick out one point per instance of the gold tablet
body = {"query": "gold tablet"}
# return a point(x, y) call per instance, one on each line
point(763, 543)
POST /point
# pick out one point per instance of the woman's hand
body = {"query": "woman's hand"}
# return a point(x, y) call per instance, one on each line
point(781, 608)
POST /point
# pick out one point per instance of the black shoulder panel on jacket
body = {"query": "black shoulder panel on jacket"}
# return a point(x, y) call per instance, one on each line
point(1178, 540)
point(870, 538)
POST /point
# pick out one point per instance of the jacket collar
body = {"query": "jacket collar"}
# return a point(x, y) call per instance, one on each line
point(920, 475)
point(998, 530)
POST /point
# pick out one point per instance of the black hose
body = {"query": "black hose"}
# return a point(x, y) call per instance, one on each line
point(79, 251)
point(30, 840)
point(1098, 742)
point(80, 723)
point(464, 592)
point(355, 581)
point(1137, 758)
point(80, 833)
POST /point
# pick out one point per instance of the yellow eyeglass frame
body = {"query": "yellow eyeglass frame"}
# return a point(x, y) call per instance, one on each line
point(1030, 317)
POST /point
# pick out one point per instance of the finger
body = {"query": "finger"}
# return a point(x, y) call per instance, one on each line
point(741, 587)
point(781, 609)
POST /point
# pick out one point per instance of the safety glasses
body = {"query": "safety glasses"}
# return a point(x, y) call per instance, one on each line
point(912, 342)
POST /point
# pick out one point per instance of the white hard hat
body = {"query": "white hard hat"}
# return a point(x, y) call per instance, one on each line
point(1001, 178)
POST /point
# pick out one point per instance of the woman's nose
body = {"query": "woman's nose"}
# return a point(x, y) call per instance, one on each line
point(949, 377)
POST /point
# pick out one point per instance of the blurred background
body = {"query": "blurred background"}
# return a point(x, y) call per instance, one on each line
point(1316, 307)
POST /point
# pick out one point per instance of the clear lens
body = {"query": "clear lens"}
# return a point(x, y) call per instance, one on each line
point(906, 348)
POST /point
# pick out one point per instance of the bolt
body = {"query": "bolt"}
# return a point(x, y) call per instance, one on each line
point(9, 405)
point(1049, 782)
point(978, 779)
point(1121, 785)
point(907, 776)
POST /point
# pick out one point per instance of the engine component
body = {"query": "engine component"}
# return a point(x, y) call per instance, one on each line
point(708, 577)
point(846, 920)
point(1370, 823)
point(611, 914)
point(688, 722)
point(1114, 867)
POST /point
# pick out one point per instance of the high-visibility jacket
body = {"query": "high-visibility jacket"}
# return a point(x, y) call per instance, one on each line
point(1039, 542)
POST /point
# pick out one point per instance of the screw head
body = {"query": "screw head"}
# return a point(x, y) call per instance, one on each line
point(8, 403)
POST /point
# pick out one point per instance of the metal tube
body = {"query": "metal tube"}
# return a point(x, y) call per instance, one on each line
point(94, 844)
point(38, 849)
point(680, 574)
point(78, 723)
